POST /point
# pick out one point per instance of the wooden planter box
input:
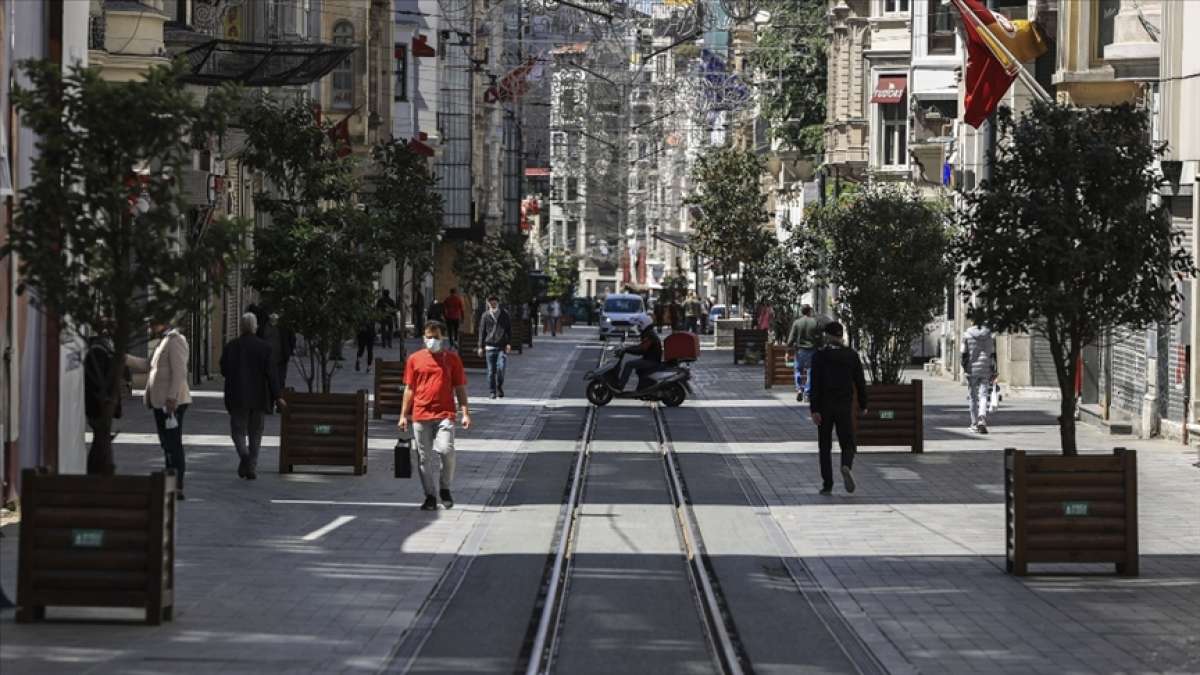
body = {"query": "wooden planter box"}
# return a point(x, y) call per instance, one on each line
point(389, 388)
point(1080, 509)
point(522, 336)
point(324, 430)
point(467, 351)
point(748, 339)
point(97, 541)
point(895, 416)
point(779, 367)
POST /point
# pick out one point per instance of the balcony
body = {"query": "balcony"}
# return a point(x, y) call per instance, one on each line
point(97, 26)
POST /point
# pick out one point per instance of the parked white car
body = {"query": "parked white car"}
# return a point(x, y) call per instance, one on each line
point(618, 314)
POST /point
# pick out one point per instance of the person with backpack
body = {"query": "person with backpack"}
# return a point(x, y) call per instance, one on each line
point(838, 383)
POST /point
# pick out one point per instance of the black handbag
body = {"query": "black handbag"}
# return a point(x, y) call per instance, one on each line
point(403, 458)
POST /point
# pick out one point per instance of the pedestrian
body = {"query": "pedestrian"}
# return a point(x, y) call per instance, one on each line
point(555, 315)
point(251, 389)
point(837, 379)
point(283, 344)
point(167, 393)
point(649, 348)
point(452, 310)
point(495, 338)
point(433, 377)
point(386, 308)
point(366, 342)
point(979, 365)
point(692, 310)
point(805, 338)
point(98, 364)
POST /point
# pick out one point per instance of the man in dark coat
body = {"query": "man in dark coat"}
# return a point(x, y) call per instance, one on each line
point(251, 386)
point(495, 343)
point(837, 379)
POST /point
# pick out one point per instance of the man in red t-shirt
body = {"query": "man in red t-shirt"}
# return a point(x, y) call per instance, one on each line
point(452, 311)
point(433, 377)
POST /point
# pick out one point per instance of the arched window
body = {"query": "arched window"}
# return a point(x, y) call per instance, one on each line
point(343, 74)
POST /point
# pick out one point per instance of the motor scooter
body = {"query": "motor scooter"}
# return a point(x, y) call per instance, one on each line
point(668, 384)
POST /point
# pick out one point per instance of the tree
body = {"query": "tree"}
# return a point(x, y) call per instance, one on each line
point(317, 254)
point(674, 288)
point(564, 276)
point(786, 273)
point(485, 267)
point(405, 210)
point(889, 251)
point(100, 238)
point(790, 57)
point(1063, 241)
point(729, 209)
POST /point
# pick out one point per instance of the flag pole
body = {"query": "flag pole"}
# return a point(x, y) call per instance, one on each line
point(1022, 73)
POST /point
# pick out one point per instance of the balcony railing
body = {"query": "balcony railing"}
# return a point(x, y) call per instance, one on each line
point(97, 25)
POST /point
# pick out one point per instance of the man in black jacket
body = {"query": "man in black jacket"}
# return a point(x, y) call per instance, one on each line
point(837, 376)
point(649, 347)
point(251, 385)
point(495, 337)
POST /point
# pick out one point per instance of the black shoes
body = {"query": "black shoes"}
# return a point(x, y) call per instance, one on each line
point(848, 477)
point(447, 500)
point(493, 395)
point(826, 491)
point(242, 468)
point(430, 503)
point(179, 495)
point(250, 475)
point(500, 390)
point(799, 397)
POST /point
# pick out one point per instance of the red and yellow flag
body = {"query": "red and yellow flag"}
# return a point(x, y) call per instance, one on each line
point(996, 48)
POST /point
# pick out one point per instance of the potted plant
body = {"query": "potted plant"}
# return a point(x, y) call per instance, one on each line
point(1065, 242)
point(889, 254)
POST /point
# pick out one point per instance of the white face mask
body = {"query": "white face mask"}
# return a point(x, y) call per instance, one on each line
point(433, 344)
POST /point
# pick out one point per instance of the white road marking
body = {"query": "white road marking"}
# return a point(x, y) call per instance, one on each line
point(328, 502)
point(322, 531)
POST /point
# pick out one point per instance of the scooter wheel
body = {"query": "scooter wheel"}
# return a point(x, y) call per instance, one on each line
point(598, 393)
point(674, 396)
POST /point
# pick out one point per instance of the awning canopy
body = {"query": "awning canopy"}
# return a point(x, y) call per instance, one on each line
point(257, 64)
point(676, 239)
point(890, 89)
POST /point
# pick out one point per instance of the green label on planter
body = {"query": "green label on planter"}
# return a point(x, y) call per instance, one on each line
point(322, 429)
point(87, 538)
point(1075, 508)
point(887, 414)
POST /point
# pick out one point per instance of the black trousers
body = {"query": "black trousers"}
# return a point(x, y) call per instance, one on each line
point(841, 417)
point(452, 331)
point(171, 441)
point(366, 342)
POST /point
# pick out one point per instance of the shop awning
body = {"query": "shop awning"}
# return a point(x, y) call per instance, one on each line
point(256, 64)
point(890, 89)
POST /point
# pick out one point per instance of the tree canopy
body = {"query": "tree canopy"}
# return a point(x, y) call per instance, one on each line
point(103, 236)
point(486, 267)
point(791, 59)
point(889, 254)
point(317, 253)
point(729, 208)
point(1063, 240)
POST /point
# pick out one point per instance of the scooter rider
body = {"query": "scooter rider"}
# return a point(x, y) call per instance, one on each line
point(649, 348)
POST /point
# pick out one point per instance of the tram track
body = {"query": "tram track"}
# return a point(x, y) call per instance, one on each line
point(717, 629)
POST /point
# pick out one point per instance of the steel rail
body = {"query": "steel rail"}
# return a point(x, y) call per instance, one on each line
point(719, 627)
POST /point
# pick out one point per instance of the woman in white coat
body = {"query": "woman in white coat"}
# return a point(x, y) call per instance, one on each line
point(167, 393)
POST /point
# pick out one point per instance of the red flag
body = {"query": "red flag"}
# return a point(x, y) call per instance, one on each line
point(340, 135)
point(996, 47)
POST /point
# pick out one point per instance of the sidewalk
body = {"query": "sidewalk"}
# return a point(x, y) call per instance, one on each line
point(915, 558)
point(263, 583)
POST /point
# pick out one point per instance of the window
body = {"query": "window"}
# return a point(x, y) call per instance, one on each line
point(556, 189)
point(572, 144)
point(343, 74)
point(572, 189)
point(895, 6)
point(557, 144)
point(1106, 18)
point(176, 11)
point(941, 28)
point(893, 137)
point(401, 59)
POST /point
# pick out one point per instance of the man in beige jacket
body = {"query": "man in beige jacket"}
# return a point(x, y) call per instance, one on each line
point(167, 392)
